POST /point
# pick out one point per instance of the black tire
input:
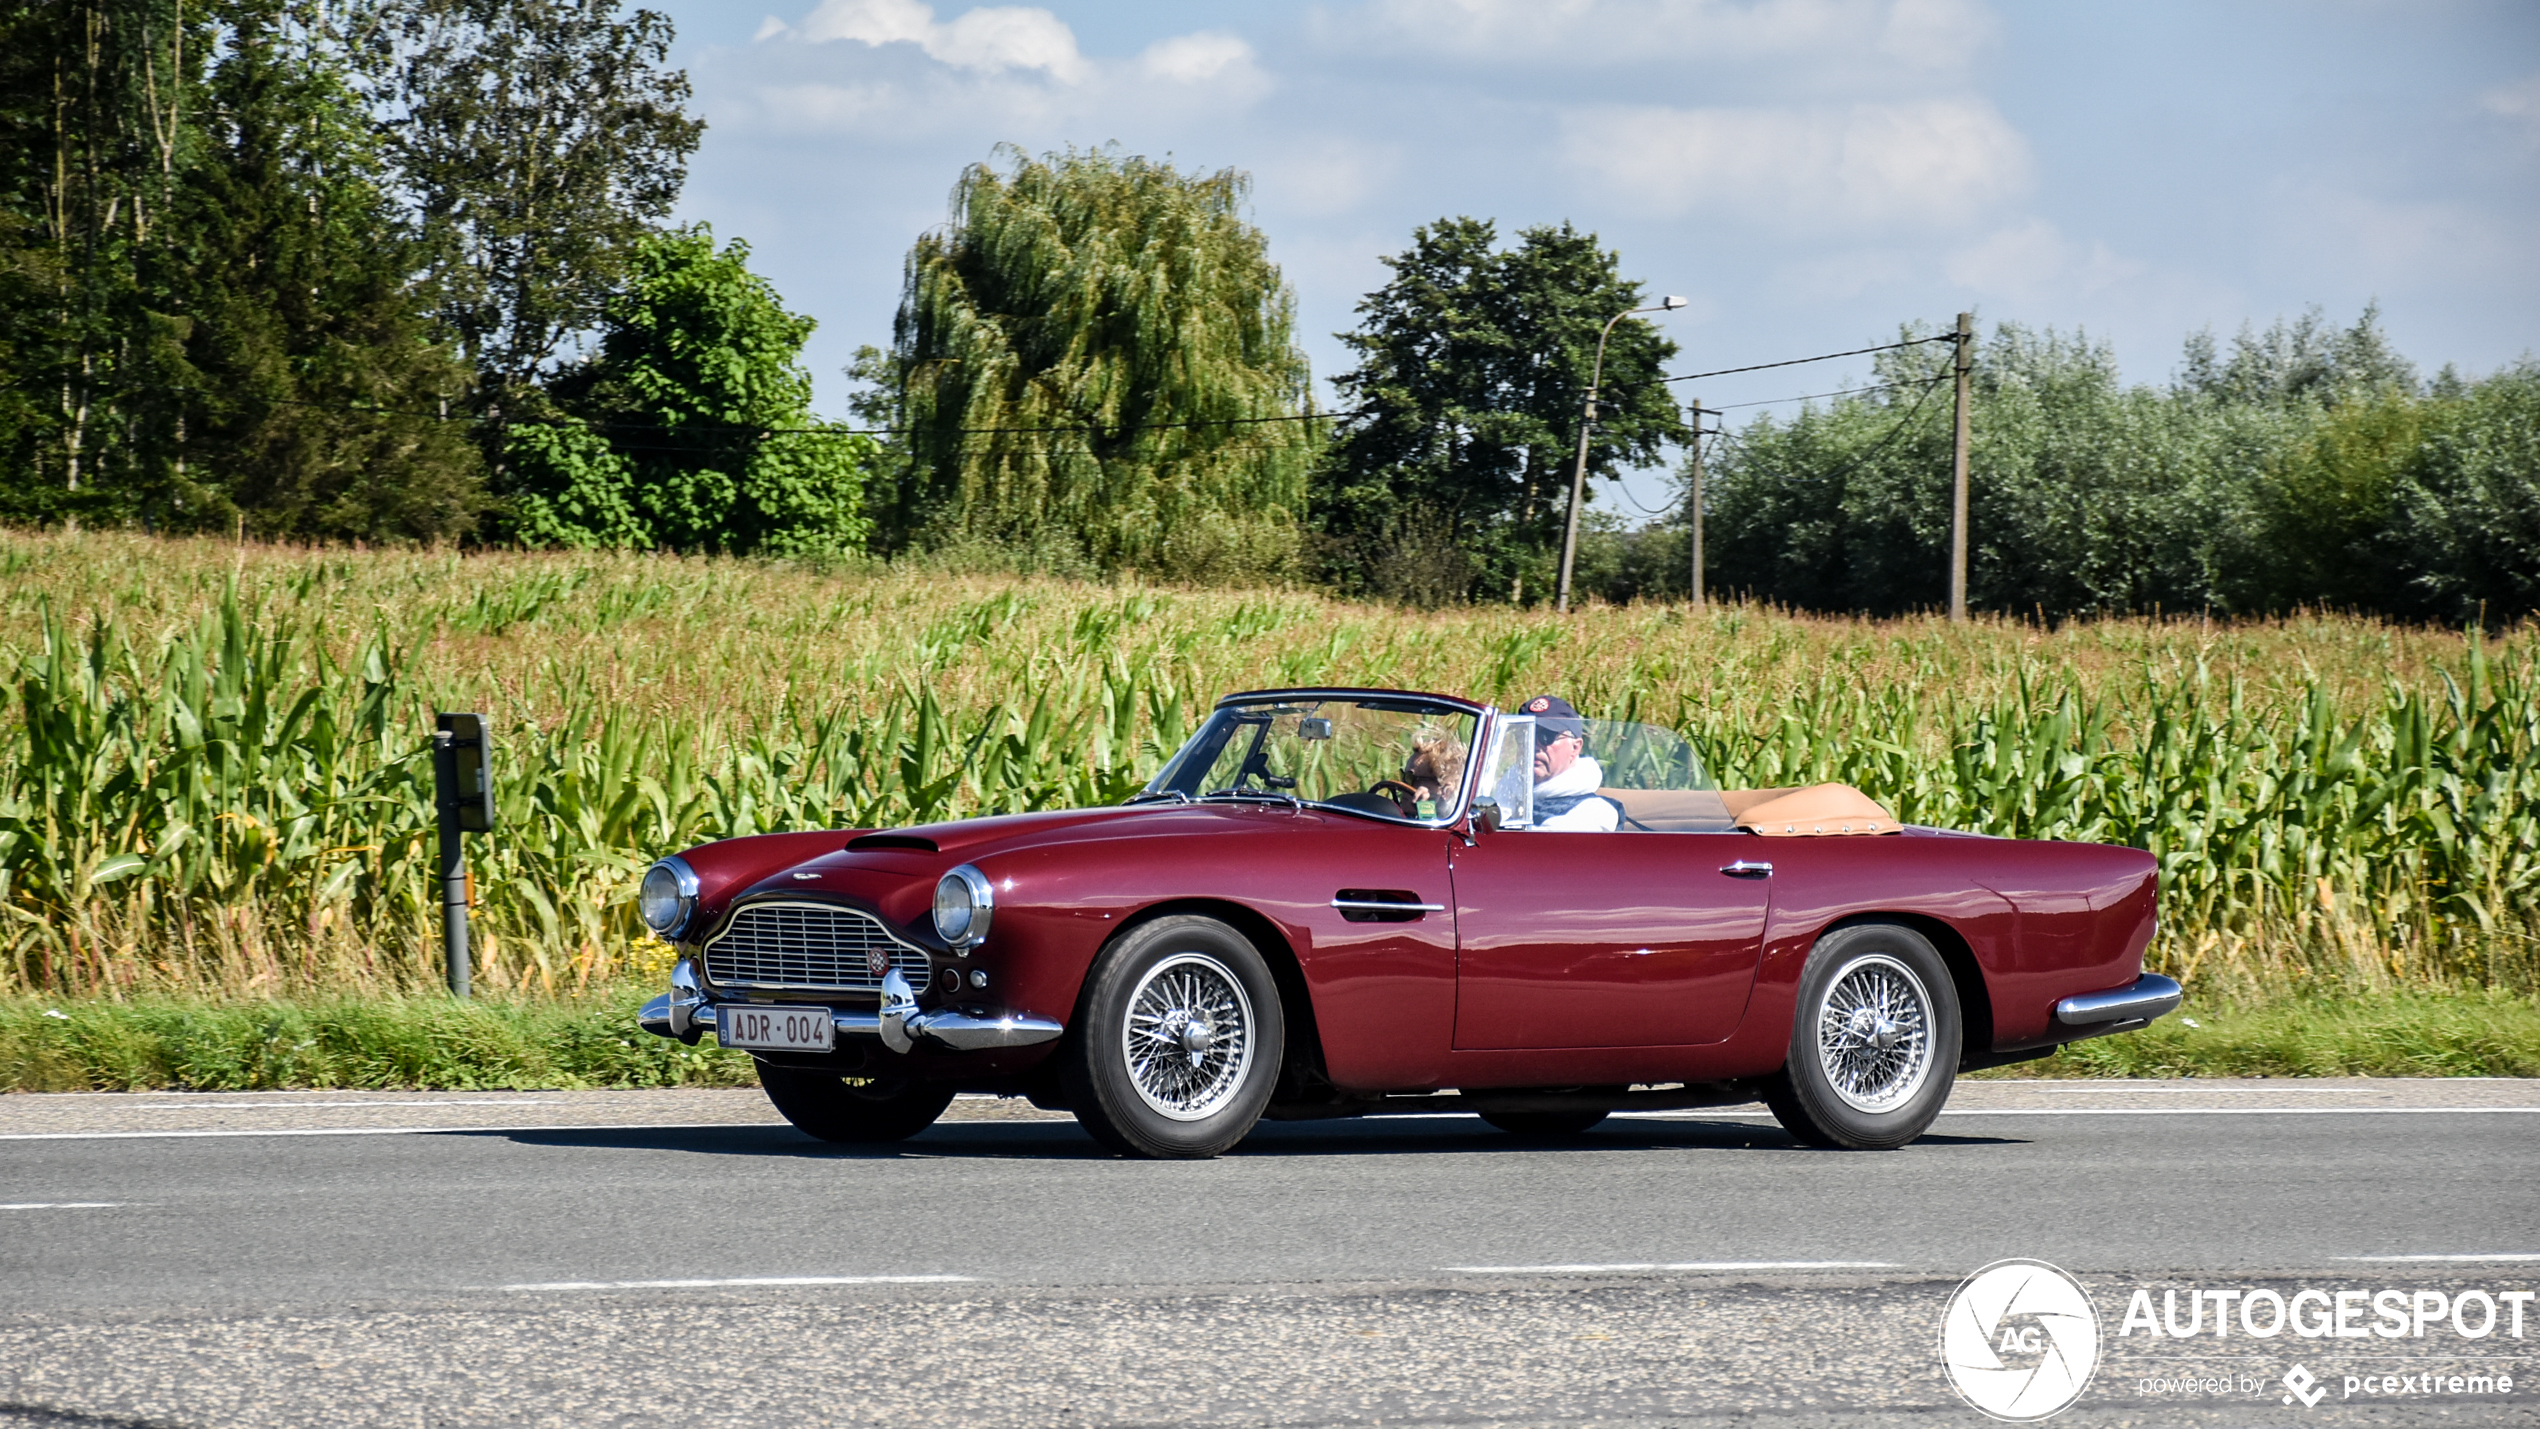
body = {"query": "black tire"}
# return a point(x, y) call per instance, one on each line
point(1871, 1077)
point(854, 1110)
point(1544, 1125)
point(1205, 979)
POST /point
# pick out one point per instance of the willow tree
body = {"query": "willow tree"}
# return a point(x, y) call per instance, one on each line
point(1096, 357)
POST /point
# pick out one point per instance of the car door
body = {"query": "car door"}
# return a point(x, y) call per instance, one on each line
point(1605, 939)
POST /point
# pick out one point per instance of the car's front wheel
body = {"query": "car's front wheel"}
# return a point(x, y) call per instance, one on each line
point(864, 1110)
point(1873, 1042)
point(1177, 1040)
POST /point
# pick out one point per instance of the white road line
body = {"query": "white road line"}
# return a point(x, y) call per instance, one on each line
point(741, 1280)
point(268, 1106)
point(2245, 1111)
point(2516, 1255)
point(369, 1131)
point(1672, 1265)
point(60, 1206)
point(1411, 1116)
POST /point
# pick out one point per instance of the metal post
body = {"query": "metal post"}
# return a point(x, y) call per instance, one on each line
point(445, 789)
point(1958, 473)
point(1587, 423)
point(1695, 499)
point(1578, 483)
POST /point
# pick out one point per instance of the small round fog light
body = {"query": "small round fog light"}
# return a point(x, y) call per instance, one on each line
point(978, 977)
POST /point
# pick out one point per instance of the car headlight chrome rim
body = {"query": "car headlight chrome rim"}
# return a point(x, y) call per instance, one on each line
point(964, 903)
point(668, 898)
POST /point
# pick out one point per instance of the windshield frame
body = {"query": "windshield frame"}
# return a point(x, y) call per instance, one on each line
point(1407, 701)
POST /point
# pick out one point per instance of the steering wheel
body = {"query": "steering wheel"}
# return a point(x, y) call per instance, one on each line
point(1409, 798)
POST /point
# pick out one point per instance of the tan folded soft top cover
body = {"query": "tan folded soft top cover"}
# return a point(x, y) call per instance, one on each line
point(1817, 809)
point(1782, 813)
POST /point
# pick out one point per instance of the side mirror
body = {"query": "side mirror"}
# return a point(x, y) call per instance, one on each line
point(1486, 815)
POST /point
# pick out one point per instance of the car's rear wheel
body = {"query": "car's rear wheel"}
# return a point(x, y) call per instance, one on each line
point(849, 1109)
point(1177, 1040)
point(1873, 1043)
point(1544, 1125)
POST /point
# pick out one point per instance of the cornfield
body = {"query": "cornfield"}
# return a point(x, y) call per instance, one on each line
point(216, 775)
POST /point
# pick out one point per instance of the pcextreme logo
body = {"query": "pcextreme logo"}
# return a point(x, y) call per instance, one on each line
point(2020, 1340)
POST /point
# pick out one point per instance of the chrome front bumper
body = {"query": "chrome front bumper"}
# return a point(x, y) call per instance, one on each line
point(685, 1013)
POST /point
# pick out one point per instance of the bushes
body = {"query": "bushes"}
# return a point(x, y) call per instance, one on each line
point(2310, 469)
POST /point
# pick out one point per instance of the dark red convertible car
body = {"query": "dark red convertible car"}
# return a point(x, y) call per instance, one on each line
point(1335, 902)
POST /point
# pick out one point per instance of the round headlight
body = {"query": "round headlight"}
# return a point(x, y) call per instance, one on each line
point(669, 895)
point(964, 901)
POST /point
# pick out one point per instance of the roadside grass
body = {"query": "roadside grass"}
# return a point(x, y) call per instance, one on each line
point(429, 1043)
point(2411, 1033)
point(353, 1042)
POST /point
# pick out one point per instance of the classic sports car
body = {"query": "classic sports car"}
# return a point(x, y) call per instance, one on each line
point(1324, 905)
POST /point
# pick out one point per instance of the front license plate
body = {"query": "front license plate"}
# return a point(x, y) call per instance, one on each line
point(775, 1029)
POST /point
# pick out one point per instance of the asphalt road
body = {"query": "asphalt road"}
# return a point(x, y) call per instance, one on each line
point(490, 1260)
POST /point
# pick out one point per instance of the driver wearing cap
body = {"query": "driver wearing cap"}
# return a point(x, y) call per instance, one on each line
point(1566, 777)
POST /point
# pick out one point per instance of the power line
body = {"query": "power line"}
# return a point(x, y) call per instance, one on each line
point(1814, 396)
point(1803, 361)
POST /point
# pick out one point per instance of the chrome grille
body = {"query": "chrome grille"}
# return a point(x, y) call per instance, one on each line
point(812, 947)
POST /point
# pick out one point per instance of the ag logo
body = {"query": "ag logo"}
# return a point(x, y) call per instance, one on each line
point(2020, 1340)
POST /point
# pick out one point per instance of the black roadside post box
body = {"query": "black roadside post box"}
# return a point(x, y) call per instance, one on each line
point(463, 787)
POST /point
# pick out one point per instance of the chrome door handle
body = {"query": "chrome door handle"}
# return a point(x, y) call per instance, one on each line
point(1748, 868)
point(1378, 905)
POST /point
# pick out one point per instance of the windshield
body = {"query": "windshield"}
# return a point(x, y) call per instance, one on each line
point(1614, 759)
point(1394, 758)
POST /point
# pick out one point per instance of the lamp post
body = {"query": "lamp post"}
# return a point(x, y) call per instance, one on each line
point(1578, 478)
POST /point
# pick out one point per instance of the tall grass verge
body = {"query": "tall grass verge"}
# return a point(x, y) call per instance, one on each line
point(157, 1043)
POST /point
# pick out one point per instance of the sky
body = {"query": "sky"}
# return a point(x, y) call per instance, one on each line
point(1808, 174)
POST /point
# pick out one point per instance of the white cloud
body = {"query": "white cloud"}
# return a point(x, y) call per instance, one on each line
point(990, 38)
point(1923, 34)
point(2034, 262)
point(1939, 162)
point(1327, 175)
point(1197, 58)
point(2518, 100)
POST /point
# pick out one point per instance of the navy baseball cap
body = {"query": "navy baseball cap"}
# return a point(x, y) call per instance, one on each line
point(1555, 714)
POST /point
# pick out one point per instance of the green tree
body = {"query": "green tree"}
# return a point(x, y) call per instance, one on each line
point(536, 141)
point(93, 141)
point(2465, 527)
point(1097, 355)
point(691, 427)
point(1473, 371)
point(297, 387)
point(199, 276)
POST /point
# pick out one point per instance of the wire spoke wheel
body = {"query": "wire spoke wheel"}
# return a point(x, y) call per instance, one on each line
point(1874, 1033)
point(1189, 1036)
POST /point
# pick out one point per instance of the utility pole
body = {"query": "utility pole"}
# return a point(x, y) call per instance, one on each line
point(1958, 473)
point(1587, 424)
point(1695, 499)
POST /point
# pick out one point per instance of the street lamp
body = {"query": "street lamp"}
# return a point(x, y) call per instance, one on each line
point(1578, 478)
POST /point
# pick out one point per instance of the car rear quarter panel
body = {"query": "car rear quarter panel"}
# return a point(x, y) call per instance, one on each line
point(2041, 921)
